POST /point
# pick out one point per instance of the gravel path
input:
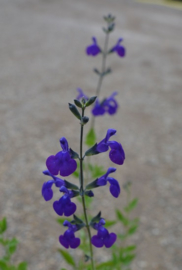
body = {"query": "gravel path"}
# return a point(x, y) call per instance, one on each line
point(42, 63)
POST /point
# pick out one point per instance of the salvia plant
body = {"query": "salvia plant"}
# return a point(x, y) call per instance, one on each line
point(87, 232)
point(8, 247)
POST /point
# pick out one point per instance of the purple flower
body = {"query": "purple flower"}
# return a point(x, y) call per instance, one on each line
point(114, 186)
point(47, 192)
point(93, 49)
point(103, 237)
point(64, 205)
point(62, 162)
point(98, 108)
point(116, 153)
point(120, 50)
point(108, 105)
point(81, 94)
point(68, 239)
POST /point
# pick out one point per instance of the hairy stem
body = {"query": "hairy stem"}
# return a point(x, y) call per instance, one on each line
point(83, 196)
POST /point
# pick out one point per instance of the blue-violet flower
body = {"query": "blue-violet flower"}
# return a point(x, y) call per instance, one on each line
point(114, 185)
point(103, 237)
point(93, 49)
point(81, 94)
point(108, 105)
point(116, 154)
point(62, 162)
point(64, 205)
point(120, 50)
point(69, 239)
point(47, 192)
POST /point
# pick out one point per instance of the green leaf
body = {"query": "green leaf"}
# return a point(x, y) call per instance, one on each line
point(12, 246)
point(132, 229)
point(3, 241)
point(110, 223)
point(3, 225)
point(122, 236)
point(61, 220)
point(3, 265)
point(68, 258)
point(122, 218)
point(127, 259)
point(129, 249)
point(131, 205)
point(12, 267)
point(22, 266)
point(90, 138)
point(104, 264)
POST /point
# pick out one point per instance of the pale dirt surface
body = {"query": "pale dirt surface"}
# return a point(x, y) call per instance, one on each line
point(42, 62)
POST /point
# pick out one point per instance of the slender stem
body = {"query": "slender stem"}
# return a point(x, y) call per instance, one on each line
point(83, 196)
point(103, 67)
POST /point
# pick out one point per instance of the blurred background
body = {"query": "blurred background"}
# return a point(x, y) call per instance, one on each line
point(43, 61)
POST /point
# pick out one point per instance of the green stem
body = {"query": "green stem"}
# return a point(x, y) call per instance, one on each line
point(104, 56)
point(82, 194)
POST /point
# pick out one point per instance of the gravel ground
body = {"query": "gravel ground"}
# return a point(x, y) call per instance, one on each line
point(42, 63)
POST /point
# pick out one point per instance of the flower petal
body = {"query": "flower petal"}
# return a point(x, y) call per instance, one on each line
point(109, 241)
point(64, 242)
point(52, 164)
point(98, 109)
point(114, 186)
point(69, 209)
point(97, 242)
point(116, 154)
point(81, 94)
point(120, 51)
point(64, 144)
point(58, 208)
point(75, 242)
point(47, 192)
point(102, 181)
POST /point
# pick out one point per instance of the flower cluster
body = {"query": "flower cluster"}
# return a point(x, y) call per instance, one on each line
point(94, 49)
point(64, 164)
point(107, 105)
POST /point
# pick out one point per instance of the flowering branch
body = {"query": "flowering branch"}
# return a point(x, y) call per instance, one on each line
point(82, 191)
